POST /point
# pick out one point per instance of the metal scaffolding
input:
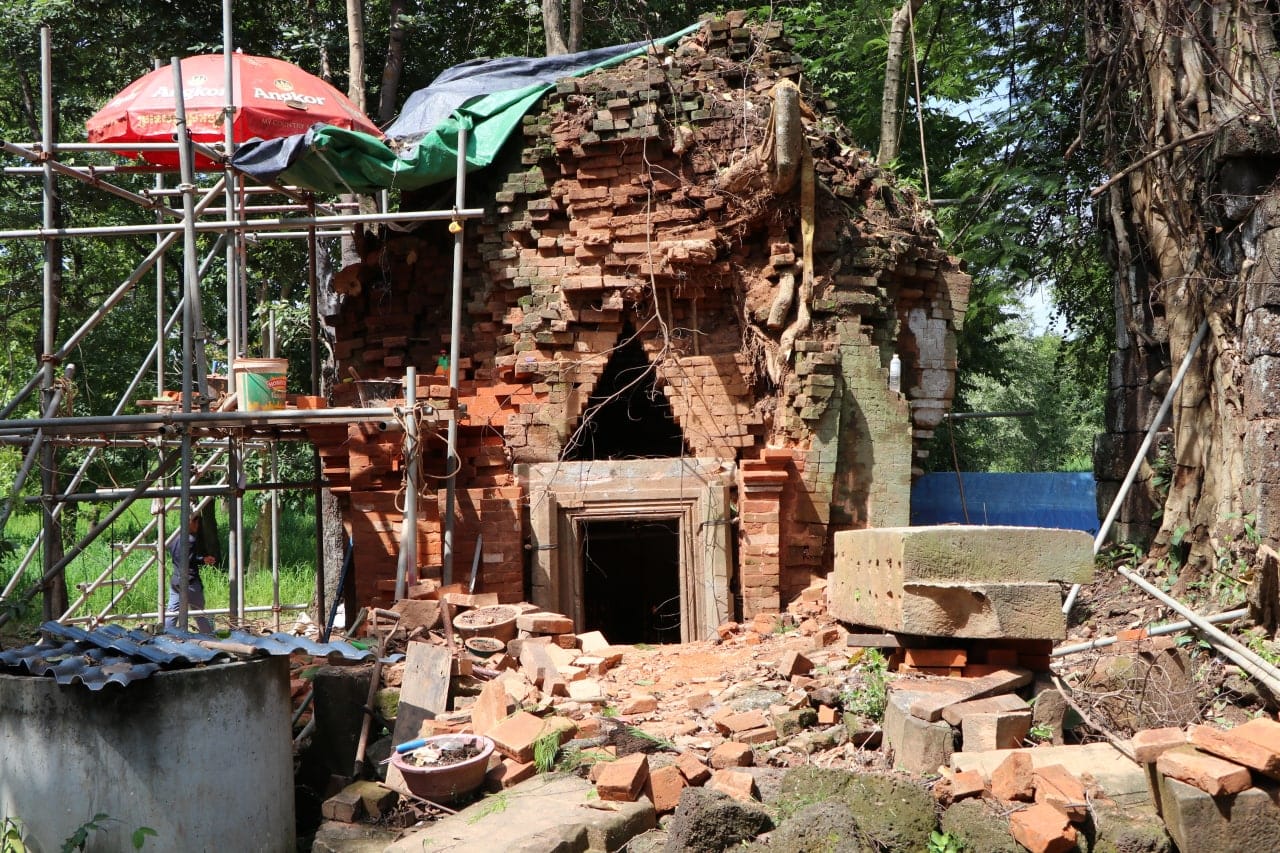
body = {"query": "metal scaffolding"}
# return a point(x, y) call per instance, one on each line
point(200, 453)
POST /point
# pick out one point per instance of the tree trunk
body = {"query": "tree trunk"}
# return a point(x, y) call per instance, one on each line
point(394, 65)
point(355, 91)
point(355, 54)
point(893, 78)
point(575, 26)
point(1193, 229)
point(553, 27)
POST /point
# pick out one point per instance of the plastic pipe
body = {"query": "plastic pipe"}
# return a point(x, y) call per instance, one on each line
point(1154, 631)
point(1248, 660)
point(1132, 474)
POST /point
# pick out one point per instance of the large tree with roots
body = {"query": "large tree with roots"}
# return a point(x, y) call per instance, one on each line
point(1184, 95)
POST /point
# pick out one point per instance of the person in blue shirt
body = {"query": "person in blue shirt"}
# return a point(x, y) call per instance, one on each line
point(195, 586)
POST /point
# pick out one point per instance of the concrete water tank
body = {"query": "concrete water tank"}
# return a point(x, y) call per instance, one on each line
point(203, 756)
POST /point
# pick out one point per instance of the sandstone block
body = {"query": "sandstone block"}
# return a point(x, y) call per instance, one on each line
point(970, 582)
point(918, 745)
point(1247, 822)
point(1043, 829)
point(623, 780)
point(955, 714)
point(1206, 772)
point(999, 730)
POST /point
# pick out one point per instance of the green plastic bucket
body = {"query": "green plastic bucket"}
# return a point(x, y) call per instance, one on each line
point(260, 383)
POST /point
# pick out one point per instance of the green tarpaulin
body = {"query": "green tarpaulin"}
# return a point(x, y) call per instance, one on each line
point(332, 160)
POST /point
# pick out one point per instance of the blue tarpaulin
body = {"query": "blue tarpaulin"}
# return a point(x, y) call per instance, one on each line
point(1061, 499)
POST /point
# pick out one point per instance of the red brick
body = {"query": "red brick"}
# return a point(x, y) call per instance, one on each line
point(514, 736)
point(794, 663)
point(541, 622)
point(1043, 829)
point(1149, 743)
point(827, 715)
point(1211, 775)
point(731, 754)
point(738, 784)
point(639, 704)
point(509, 773)
point(967, 784)
point(491, 708)
point(1252, 745)
point(624, 780)
point(935, 657)
point(1012, 779)
point(745, 721)
point(1056, 786)
point(665, 785)
point(694, 771)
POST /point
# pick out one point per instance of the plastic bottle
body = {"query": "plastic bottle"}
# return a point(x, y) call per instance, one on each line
point(895, 373)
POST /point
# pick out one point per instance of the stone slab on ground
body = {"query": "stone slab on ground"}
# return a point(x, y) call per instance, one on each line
point(991, 705)
point(970, 553)
point(1000, 730)
point(1119, 778)
point(919, 746)
point(1248, 822)
point(337, 837)
point(1021, 565)
point(541, 815)
point(928, 698)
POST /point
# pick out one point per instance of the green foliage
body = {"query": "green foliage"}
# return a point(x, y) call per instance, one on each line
point(870, 696)
point(12, 836)
point(297, 557)
point(545, 750)
point(1066, 412)
point(661, 742)
point(1040, 733)
point(944, 842)
point(79, 839)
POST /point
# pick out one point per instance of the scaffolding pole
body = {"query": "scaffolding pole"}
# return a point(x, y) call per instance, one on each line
point(50, 525)
point(455, 355)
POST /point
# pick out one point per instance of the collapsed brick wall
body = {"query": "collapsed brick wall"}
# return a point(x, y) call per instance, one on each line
point(610, 218)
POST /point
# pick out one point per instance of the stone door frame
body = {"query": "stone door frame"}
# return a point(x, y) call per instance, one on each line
point(566, 496)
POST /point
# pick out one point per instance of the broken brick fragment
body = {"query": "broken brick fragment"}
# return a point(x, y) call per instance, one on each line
point(623, 780)
point(1043, 829)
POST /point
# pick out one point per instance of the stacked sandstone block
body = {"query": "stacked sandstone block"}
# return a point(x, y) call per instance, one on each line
point(964, 582)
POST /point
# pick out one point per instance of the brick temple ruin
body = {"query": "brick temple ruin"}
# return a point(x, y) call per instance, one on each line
point(682, 309)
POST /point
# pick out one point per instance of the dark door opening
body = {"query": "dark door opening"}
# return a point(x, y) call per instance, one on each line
point(631, 579)
point(627, 417)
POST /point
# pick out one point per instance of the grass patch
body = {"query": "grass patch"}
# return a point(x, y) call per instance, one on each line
point(135, 576)
point(869, 697)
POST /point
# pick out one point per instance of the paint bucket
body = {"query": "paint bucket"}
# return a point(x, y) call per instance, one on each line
point(260, 383)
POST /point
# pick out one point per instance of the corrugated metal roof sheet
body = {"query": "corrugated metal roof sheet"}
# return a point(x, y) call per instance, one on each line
point(113, 654)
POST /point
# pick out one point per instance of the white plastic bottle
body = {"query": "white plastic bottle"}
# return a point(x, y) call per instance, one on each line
point(895, 374)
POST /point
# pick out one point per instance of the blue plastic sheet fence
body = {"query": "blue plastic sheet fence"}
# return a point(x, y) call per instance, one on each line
point(1065, 500)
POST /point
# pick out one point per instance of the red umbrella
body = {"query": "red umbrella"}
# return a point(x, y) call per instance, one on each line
point(272, 98)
